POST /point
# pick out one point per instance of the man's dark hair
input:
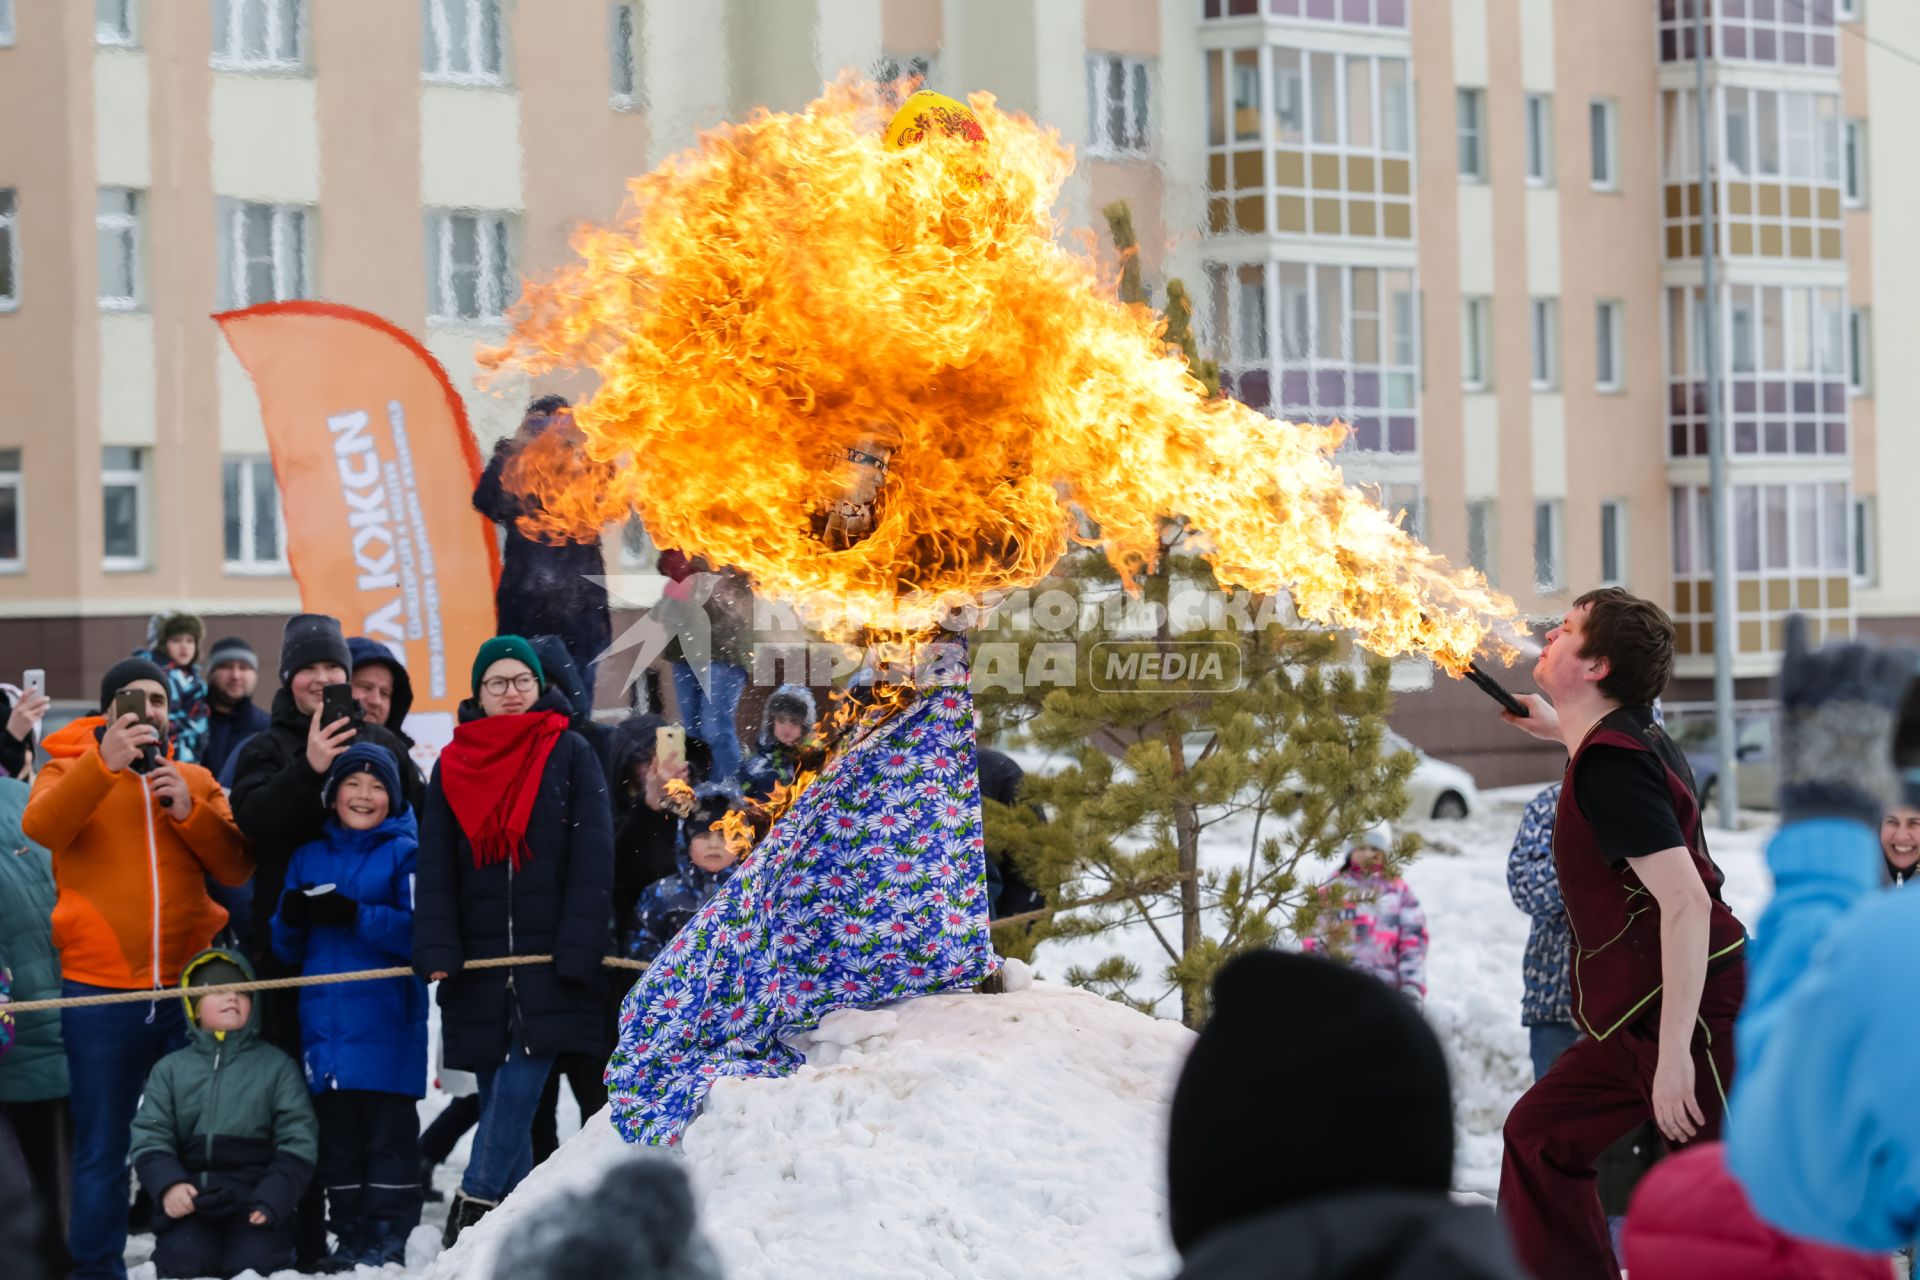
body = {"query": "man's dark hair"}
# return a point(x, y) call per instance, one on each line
point(547, 406)
point(1635, 636)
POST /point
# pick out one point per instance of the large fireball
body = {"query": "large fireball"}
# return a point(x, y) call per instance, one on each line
point(793, 309)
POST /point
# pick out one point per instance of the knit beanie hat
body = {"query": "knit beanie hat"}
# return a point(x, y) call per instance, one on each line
point(365, 757)
point(506, 647)
point(637, 1224)
point(125, 672)
point(712, 801)
point(311, 639)
point(231, 649)
point(1246, 1134)
point(1378, 836)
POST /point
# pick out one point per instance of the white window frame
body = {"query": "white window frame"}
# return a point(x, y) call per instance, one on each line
point(1470, 101)
point(436, 64)
point(123, 34)
point(228, 53)
point(495, 231)
point(10, 234)
point(1859, 351)
point(13, 478)
point(248, 564)
point(291, 233)
point(137, 478)
point(623, 56)
point(126, 226)
point(1137, 75)
point(1543, 338)
point(1539, 139)
point(1550, 560)
point(6, 24)
point(1488, 561)
point(1863, 555)
point(1853, 163)
point(1603, 165)
point(1476, 347)
point(1616, 545)
point(1609, 322)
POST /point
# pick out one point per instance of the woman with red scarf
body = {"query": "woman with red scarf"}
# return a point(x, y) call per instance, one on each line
point(516, 858)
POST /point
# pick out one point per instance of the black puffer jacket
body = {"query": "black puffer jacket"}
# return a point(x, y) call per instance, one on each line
point(276, 803)
point(1377, 1235)
point(558, 903)
point(563, 675)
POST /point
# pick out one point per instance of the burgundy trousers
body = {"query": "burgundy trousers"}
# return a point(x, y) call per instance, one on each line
point(1596, 1093)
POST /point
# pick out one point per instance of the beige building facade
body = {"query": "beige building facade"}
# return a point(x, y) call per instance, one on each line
point(1470, 228)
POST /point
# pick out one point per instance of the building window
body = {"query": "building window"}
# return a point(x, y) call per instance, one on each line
point(113, 23)
point(464, 41)
point(1119, 104)
point(470, 266)
point(1794, 551)
point(6, 23)
point(1407, 507)
point(1545, 339)
point(9, 248)
point(1548, 577)
point(1470, 105)
point(266, 252)
point(255, 531)
point(623, 67)
point(1863, 557)
point(1785, 368)
point(259, 35)
point(1603, 141)
point(1482, 539)
point(123, 507)
point(1539, 140)
point(116, 223)
point(1859, 351)
point(1613, 543)
point(1476, 344)
point(1609, 356)
point(1360, 13)
point(1853, 164)
point(13, 517)
point(1794, 33)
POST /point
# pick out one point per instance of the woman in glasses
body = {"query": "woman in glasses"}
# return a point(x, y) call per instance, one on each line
point(516, 858)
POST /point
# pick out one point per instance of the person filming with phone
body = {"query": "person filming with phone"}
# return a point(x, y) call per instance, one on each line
point(20, 723)
point(134, 836)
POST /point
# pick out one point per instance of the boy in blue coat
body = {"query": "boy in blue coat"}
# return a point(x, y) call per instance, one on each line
point(348, 905)
point(703, 863)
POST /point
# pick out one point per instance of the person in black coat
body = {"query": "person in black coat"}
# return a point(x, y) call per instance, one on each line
point(1008, 893)
point(278, 776)
point(232, 717)
point(564, 675)
point(516, 858)
point(546, 588)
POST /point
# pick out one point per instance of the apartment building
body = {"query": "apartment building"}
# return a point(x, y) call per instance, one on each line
point(1470, 228)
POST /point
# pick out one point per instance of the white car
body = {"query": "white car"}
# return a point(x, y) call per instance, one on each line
point(1436, 789)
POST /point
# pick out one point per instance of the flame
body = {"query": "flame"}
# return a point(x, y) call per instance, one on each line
point(793, 292)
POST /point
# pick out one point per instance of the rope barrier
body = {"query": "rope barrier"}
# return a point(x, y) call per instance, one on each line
point(281, 984)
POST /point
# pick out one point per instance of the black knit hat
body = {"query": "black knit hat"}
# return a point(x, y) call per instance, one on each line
point(311, 639)
point(638, 1223)
point(1250, 1130)
point(125, 672)
point(231, 649)
point(712, 801)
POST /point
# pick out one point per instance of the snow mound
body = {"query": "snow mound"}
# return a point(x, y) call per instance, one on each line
point(955, 1136)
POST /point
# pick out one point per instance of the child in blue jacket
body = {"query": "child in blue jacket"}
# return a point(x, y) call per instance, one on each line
point(703, 862)
point(348, 905)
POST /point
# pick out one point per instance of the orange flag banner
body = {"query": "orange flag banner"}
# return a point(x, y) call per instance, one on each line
point(377, 466)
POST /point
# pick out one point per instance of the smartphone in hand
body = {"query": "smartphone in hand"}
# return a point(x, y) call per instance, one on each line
point(337, 700)
point(670, 746)
point(132, 702)
point(34, 682)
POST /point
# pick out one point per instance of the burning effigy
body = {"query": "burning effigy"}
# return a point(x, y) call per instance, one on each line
point(846, 352)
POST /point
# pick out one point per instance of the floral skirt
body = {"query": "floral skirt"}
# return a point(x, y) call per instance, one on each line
point(870, 889)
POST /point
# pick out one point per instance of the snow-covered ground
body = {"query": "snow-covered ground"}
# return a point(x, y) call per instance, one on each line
point(1021, 1134)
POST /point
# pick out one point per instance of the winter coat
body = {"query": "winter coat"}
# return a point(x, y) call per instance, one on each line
point(229, 1114)
point(558, 903)
point(668, 904)
point(645, 840)
point(1369, 1235)
point(1820, 1129)
point(563, 675)
point(133, 905)
point(1008, 892)
point(14, 752)
point(360, 1035)
point(229, 730)
point(725, 596)
point(35, 1069)
point(1534, 886)
point(546, 589)
point(187, 707)
point(1691, 1221)
point(365, 649)
point(773, 763)
point(276, 801)
point(1387, 930)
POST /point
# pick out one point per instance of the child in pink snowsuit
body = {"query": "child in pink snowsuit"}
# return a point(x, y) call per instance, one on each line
point(1385, 930)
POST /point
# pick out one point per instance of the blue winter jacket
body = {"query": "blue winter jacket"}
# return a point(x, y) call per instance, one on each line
point(360, 1035)
point(1822, 1129)
point(1534, 885)
point(666, 905)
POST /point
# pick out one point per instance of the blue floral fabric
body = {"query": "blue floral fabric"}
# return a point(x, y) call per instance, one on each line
point(1534, 886)
point(870, 889)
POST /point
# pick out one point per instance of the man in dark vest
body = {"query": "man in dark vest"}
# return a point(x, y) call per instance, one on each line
point(1658, 960)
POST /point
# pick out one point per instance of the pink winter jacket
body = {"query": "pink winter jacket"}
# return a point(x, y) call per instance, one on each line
point(1386, 932)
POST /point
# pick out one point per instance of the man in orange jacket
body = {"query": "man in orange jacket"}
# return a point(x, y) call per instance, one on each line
point(133, 836)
